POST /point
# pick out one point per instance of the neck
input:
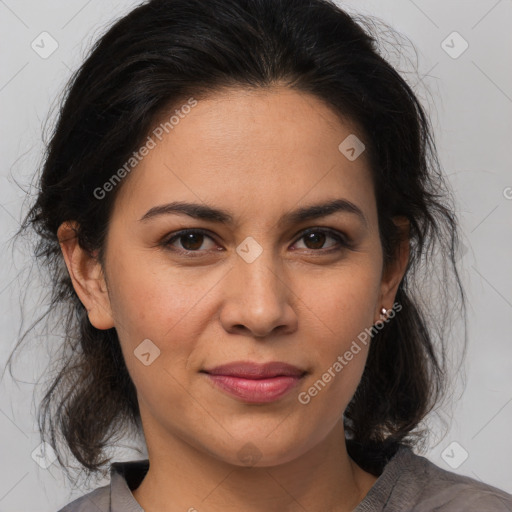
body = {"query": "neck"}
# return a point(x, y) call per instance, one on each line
point(180, 477)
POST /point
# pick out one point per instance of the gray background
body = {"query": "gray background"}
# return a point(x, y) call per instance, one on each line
point(470, 100)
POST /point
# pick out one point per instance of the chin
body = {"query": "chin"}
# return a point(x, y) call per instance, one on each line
point(260, 450)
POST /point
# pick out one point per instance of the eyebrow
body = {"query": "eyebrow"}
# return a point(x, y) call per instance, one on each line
point(208, 213)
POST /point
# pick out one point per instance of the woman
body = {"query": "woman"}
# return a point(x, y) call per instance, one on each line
point(283, 361)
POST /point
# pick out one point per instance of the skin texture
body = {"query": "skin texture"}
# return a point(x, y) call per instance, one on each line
point(258, 154)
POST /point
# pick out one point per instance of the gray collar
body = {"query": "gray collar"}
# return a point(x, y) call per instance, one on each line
point(124, 477)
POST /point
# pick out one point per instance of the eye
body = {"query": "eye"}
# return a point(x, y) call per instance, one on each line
point(190, 240)
point(315, 239)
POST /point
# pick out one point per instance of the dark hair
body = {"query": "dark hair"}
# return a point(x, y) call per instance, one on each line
point(165, 51)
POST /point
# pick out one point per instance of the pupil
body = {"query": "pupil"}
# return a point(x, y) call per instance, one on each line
point(189, 237)
point(311, 237)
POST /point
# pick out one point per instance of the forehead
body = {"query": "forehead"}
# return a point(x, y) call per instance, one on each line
point(248, 148)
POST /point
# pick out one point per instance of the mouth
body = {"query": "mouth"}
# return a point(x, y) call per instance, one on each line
point(253, 382)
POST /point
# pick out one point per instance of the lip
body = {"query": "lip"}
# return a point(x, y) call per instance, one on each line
point(254, 382)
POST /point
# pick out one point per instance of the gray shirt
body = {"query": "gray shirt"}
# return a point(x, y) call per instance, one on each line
point(408, 483)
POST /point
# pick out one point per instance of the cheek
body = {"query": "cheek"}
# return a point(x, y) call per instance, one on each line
point(340, 313)
point(168, 314)
point(153, 303)
point(342, 305)
point(167, 310)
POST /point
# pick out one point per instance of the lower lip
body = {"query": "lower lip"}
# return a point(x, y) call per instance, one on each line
point(255, 390)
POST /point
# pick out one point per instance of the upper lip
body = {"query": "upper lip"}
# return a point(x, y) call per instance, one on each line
point(252, 370)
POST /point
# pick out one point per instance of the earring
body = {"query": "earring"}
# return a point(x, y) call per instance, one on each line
point(383, 312)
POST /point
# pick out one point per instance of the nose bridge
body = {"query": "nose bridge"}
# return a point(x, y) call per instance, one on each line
point(257, 268)
point(258, 294)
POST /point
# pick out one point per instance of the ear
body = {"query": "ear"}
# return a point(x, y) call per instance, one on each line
point(87, 277)
point(393, 274)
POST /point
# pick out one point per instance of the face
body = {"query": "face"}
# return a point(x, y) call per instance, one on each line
point(253, 283)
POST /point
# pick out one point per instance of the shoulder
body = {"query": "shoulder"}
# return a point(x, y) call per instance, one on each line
point(428, 487)
point(117, 495)
point(95, 501)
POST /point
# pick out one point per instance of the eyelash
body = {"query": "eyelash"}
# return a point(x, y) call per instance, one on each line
point(343, 242)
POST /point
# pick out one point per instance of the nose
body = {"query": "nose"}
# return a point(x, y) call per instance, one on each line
point(258, 300)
